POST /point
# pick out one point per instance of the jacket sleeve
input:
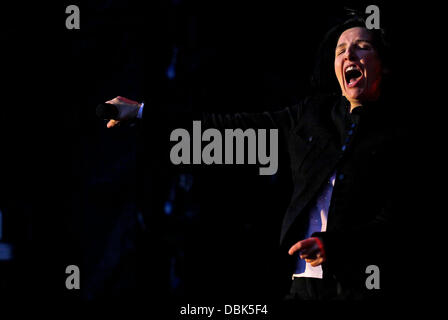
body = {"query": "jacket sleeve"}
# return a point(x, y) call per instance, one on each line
point(282, 120)
point(163, 118)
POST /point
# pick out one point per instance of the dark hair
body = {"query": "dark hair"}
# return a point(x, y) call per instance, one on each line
point(323, 78)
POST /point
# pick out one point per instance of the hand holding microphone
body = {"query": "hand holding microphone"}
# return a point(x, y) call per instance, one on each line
point(118, 109)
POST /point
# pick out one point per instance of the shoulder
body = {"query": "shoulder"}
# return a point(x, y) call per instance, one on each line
point(318, 107)
point(320, 102)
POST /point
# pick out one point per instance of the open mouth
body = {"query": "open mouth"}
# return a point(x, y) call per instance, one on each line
point(353, 75)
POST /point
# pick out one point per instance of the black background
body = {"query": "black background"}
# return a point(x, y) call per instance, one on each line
point(74, 192)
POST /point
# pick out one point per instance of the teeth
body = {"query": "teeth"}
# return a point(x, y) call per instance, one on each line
point(351, 68)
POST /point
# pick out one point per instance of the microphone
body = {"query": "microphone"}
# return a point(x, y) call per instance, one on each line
point(107, 111)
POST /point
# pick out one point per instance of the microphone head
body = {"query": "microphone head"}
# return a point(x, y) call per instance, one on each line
point(107, 111)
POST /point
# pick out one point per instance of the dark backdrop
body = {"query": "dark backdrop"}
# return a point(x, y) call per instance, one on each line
point(76, 193)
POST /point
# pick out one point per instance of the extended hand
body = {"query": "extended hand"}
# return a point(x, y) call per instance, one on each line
point(127, 110)
point(311, 250)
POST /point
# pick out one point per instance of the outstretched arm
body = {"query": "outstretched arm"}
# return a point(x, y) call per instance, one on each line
point(282, 120)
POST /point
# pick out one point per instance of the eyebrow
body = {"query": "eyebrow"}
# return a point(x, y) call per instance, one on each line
point(356, 41)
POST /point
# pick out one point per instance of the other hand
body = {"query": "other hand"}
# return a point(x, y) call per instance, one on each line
point(311, 250)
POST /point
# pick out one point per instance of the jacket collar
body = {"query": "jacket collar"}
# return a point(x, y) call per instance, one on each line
point(373, 115)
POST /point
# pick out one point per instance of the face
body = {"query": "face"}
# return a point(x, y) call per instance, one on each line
point(357, 66)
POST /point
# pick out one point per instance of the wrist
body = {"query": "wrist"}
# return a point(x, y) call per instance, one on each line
point(320, 244)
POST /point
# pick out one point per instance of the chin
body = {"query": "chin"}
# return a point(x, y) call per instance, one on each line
point(357, 96)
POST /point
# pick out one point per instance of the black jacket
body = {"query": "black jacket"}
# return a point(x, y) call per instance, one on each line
point(320, 136)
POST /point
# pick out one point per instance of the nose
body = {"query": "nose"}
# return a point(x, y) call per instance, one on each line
point(350, 53)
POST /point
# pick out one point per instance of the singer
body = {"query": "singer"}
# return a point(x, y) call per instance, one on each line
point(343, 147)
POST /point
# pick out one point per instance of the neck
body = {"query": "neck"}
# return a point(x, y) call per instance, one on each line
point(354, 104)
point(357, 103)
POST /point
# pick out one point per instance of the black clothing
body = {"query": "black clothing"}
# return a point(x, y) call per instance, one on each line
point(321, 136)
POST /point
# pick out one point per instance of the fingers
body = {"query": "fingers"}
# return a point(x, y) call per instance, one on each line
point(295, 248)
point(316, 262)
point(126, 100)
point(120, 100)
point(113, 101)
point(310, 260)
point(310, 250)
point(127, 110)
point(306, 247)
point(112, 123)
point(309, 253)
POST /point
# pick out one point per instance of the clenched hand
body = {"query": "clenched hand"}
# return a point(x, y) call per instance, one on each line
point(311, 250)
